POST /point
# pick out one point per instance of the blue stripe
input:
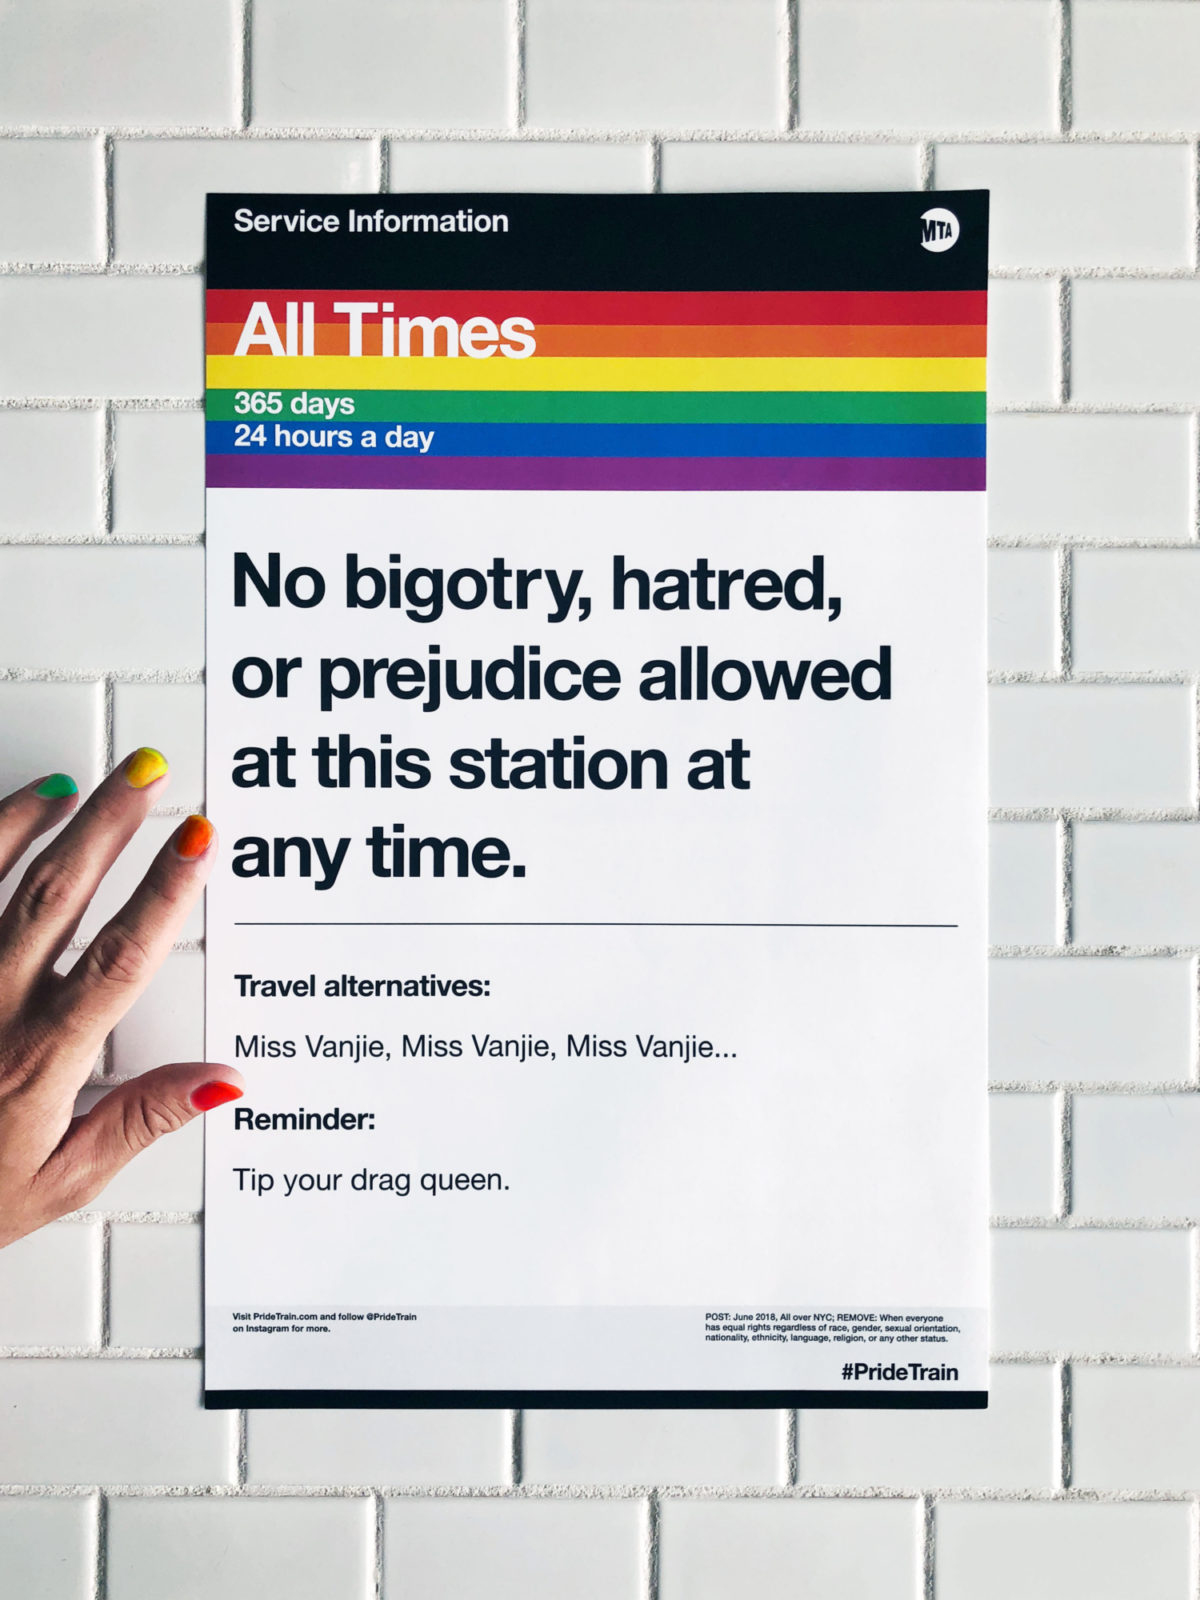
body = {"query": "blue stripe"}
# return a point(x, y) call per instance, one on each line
point(604, 439)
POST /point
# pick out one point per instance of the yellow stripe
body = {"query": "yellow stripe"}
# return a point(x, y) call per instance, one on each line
point(722, 373)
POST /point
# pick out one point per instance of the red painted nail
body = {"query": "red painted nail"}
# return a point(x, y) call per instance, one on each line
point(210, 1095)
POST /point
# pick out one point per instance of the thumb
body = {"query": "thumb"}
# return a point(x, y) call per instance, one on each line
point(129, 1118)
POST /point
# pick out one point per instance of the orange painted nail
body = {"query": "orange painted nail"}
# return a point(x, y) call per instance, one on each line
point(144, 767)
point(211, 1095)
point(194, 838)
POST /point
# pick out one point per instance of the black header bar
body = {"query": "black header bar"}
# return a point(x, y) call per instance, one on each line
point(686, 242)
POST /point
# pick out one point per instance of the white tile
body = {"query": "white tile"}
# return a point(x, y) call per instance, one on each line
point(1022, 882)
point(686, 1447)
point(168, 717)
point(111, 1422)
point(1090, 477)
point(1088, 745)
point(1091, 1019)
point(927, 64)
point(1135, 66)
point(842, 1549)
point(529, 165)
point(1023, 341)
point(1136, 1155)
point(1133, 342)
point(50, 467)
point(46, 1548)
point(90, 609)
point(1091, 1291)
point(155, 1285)
point(654, 64)
point(1136, 611)
point(1078, 205)
point(239, 1549)
point(1022, 611)
point(50, 727)
point(1011, 1445)
point(1024, 1146)
point(1137, 883)
point(52, 198)
point(50, 1287)
point(760, 165)
point(378, 1447)
point(386, 63)
point(511, 1550)
point(158, 473)
point(1135, 1428)
point(117, 63)
point(167, 1023)
point(1062, 1552)
point(159, 185)
point(91, 336)
point(168, 1176)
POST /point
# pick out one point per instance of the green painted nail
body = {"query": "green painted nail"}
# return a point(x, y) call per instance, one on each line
point(57, 787)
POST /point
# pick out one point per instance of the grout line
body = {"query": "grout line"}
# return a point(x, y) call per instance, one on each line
point(655, 149)
point(310, 133)
point(106, 1228)
point(791, 1448)
point(517, 43)
point(1064, 848)
point(1065, 1425)
point(1194, 1268)
point(377, 1552)
point(108, 461)
point(516, 1447)
point(109, 204)
point(791, 64)
point(1064, 341)
point(100, 1587)
point(383, 166)
point(1066, 109)
point(1065, 565)
point(245, 62)
point(925, 166)
point(1065, 1108)
point(651, 1546)
point(242, 1459)
point(613, 1493)
point(928, 1553)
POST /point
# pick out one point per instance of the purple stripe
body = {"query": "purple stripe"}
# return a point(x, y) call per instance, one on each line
point(590, 472)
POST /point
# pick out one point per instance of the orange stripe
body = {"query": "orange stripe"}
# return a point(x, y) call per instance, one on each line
point(614, 340)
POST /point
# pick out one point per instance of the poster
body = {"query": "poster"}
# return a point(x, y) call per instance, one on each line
point(596, 726)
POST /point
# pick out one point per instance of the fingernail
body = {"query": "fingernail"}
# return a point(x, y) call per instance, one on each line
point(144, 767)
point(57, 787)
point(193, 839)
point(211, 1095)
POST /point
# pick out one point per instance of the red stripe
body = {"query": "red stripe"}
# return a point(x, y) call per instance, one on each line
point(812, 308)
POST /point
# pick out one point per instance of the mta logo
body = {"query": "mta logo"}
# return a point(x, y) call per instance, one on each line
point(939, 229)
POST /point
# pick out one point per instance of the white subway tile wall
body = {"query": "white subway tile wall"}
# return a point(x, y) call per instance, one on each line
point(1082, 117)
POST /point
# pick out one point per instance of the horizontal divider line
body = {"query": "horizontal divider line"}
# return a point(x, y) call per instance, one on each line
point(932, 925)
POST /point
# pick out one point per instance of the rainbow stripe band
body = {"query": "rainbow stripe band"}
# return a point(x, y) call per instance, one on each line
point(634, 390)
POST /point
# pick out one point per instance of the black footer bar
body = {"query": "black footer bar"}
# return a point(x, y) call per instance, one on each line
point(594, 1399)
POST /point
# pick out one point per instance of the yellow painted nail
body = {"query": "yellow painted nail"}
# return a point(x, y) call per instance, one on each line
point(144, 767)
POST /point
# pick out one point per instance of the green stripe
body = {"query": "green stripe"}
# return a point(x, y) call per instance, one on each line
point(418, 406)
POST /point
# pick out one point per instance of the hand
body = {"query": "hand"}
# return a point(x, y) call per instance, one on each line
point(53, 1026)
